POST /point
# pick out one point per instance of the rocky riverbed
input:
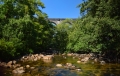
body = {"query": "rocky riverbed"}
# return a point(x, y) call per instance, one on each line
point(55, 65)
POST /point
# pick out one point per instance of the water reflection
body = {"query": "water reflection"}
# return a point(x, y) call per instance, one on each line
point(62, 72)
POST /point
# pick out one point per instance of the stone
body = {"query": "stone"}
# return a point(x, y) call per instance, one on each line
point(72, 67)
point(14, 66)
point(21, 68)
point(69, 54)
point(48, 61)
point(63, 54)
point(36, 55)
point(18, 65)
point(47, 57)
point(102, 62)
point(35, 59)
point(96, 60)
point(78, 61)
point(14, 71)
point(85, 59)
point(27, 66)
point(39, 57)
point(78, 69)
point(58, 65)
point(14, 61)
point(18, 70)
point(68, 64)
point(32, 68)
point(10, 63)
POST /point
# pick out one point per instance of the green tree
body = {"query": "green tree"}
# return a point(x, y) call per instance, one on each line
point(61, 34)
point(94, 34)
point(101, 8)
point(24, 28)
point(99, 27)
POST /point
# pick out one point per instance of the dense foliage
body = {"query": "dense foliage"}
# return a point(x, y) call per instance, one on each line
point(61, 35)
point(104, 17)
point(98, 30)
point(96, 35)
point(23, 28)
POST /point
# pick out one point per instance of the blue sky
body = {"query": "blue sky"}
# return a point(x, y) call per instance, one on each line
point(62, 8)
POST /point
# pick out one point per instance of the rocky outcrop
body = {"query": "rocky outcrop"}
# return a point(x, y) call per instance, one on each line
point(81, 58)
point(10, 64)
point(35, 57)
point(18, 69)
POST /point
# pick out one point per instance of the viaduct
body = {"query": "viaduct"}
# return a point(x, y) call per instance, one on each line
point(58, 20)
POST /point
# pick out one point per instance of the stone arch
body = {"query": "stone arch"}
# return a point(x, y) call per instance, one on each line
point(57, 20)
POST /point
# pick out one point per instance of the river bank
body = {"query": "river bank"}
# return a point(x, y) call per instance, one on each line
point(78, 64)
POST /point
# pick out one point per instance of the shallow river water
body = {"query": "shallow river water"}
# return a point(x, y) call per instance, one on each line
point(48, 68)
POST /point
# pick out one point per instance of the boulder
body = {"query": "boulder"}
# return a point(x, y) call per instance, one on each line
point(14, 61)
point(58, 65)
point(32, 68)
point(78, 61)
point(18, 70)
point(21, 68)
point(69, 54)
point(27, 66)
point(102, 62)
point(96, 60)
point(72, 67)
point(47, 57)
point(69, 64)
point(10, 63)
point(85, 59)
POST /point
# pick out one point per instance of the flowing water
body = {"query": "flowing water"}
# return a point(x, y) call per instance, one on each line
point(48, 68)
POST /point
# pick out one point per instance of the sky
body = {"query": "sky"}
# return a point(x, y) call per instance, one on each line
point(62, 8)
